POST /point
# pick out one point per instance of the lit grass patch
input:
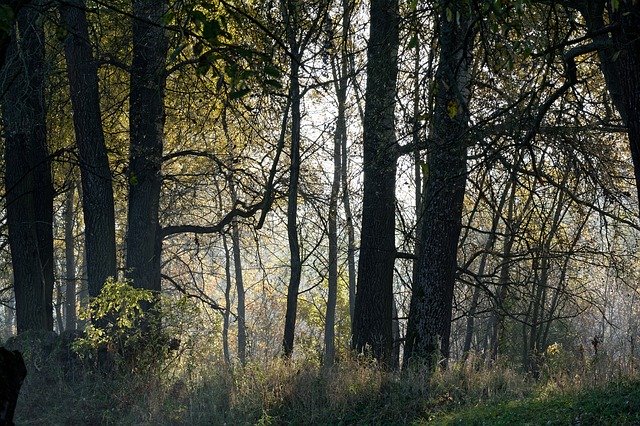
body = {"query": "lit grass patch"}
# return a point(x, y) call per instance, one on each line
point(617, 403)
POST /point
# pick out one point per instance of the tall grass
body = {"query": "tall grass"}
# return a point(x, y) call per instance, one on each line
point(196, 387)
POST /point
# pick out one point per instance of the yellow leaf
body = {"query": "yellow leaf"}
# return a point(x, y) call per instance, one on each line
point(452, 109)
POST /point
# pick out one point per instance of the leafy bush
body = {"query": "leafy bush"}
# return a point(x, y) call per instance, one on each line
point(132, 328)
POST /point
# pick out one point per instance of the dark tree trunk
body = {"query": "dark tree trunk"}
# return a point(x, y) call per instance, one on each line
point(429, 324)
point(29, 188)
point(237, 268)
point(146, 122)
point(619, 53)
point(346, 202)
point(70, 261)
point(227, 301)
point(289, 15)
point(372, 322)
point(97, 191)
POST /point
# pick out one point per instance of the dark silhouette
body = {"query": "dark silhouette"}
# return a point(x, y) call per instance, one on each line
point(12, 373)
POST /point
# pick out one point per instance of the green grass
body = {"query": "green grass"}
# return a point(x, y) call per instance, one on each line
point(617, 403)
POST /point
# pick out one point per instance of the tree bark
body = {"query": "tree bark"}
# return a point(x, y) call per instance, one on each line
point(28, 183)
point(146, 121)
point(70, 316)
point(372, 322)
point(290, 18)
point(97, 190)
point(429, 324)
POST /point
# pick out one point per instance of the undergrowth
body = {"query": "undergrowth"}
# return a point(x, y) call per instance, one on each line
point(197, 387)
point(184, 380)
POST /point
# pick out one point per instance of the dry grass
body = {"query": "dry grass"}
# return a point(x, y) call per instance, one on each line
point(198, 388)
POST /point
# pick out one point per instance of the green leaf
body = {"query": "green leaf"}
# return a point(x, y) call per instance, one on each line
point(211, 30)
point(449, 14)
point(413, 5)
point(239, 93)
point(413, 43)
point(615, 4)
point(274, 83)
point(7, 17)
point(197, 49)
point(452, 109)
point(168, 17)
point(198, 16)
point(203, 65)
point(272, 71)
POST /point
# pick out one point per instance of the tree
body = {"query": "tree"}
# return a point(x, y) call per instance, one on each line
point(372, 322)
point(28, 180)
point(429, 324)
point(97, 190)
point(618, 47)
point(146, 121)
point(70, 260)
point(290, 15)
point(339, 68)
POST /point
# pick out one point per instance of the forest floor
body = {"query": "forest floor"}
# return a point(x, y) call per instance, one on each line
point(616, 403)
point(197, 388)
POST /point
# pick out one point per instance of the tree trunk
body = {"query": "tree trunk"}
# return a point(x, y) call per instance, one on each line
point(340, 77)
point(227, 301)
point(429, 324)
point(290, 18)
point(28, 184)
point(372, 322)
point(70, 261)
point(619, 53)
point(97, 190)
point(146, 121)
point(240, 292)
point(330, 317)
point(351, 244)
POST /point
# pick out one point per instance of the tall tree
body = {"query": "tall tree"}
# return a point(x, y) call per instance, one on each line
point(28, 180)
point(97, 190)
point(70, 261)
point(146, 122)
point(237, 269)
point(617, 40)
point(429, 324)
point(340, 76)
point(372, 322)
point(290, 12)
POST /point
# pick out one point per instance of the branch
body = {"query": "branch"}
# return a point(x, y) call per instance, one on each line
point(410, 256)
point(268, 196)
point(206, 299)
point(197, 229)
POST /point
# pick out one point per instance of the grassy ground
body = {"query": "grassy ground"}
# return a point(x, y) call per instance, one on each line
point(197, 388)
point(616, 403)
